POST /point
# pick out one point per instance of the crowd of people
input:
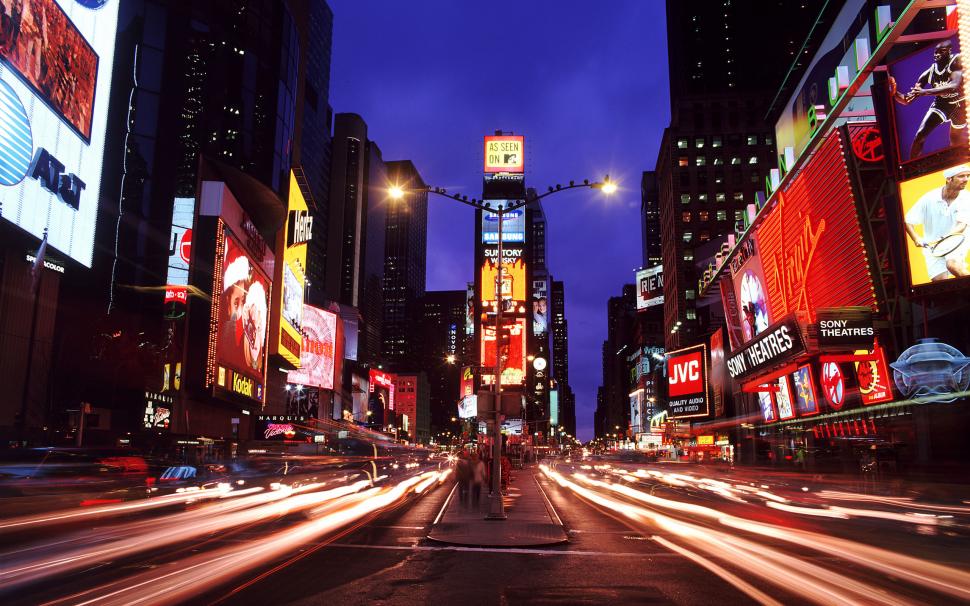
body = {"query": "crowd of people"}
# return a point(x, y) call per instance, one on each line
point(473, 472)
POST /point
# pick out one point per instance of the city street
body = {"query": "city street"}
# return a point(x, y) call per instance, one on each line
point(662, 533)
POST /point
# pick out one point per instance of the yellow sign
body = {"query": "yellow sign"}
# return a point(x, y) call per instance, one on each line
point(290, 278)
point(505, 154)
point(705, 440)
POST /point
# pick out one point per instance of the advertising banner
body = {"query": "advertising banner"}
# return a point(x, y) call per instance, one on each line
point(319, 346)
point(650, 287)
point(554, 407)
point(540, 307)
point(55, 78)
point(833, 385)
point(287, 318)
point(783, 399)
point(636, 411)
point(805, 401)
point(513, 274)
point(934, 206)
point(687, 387)
point(767, 404)
point(470, 308)
point(810, 242)
point(504, 154)
point(467, 403)
point(925, 122)
point(158, 410)
point(750, 291)
point(777, 344)
point(875, 383)
point(513, 225)
point(243, 310)
point(283, 428)
point(718, 372)
point(180, 241)
point(514, 363)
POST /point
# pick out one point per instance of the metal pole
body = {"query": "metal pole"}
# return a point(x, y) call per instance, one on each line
point(496, 508)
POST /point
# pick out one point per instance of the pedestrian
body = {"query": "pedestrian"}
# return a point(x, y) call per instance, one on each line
point(477, 479)
point(463, 471)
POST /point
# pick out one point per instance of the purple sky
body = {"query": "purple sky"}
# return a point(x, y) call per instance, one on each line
point(584, 82)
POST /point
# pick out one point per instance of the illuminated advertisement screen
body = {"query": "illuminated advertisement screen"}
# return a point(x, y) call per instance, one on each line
point(540, 307)
point(719, 375)
point(317, 356)
point(513, 366)
point(928, 123)
point(384, 381)
point(180, 242)
point(687, 389)
point(554, 407)
point(470, 308)
point(875, 382)
point(291, 276)
point(243, 322)
point(283, 428)
point(650, 287)
point(805, 401)
point(783, 399)
point(513, 225)
point(636, 411)
point(513, 274)
point(767, 405)
point(468, 406)
point(750, 292)
point(810, 243)
point(55, 78)
point(504, 154)
point(934, 207)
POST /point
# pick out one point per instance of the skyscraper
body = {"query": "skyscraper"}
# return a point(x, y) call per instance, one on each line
point(442, 333)
point(560, 355)
point(719, 147)
point(405, 264)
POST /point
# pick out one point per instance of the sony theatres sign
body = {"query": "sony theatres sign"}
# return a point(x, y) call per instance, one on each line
point(779, 343)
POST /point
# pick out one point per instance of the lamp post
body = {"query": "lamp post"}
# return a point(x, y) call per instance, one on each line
point(496, 509)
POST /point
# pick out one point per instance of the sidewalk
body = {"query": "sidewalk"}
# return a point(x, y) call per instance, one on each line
point(531, 520)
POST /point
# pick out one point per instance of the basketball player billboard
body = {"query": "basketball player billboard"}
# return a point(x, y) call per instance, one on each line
point(927, 91)
point(936, 213)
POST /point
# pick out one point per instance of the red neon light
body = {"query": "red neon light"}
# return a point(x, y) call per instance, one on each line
point(764, 382)
point(811, 243)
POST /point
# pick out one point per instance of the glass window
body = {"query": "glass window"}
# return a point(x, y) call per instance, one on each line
point(688, 236)
point(702, 197)
point(753, 160)
point(752, 139)
point(684, 178)
point(720, 197)
point(769, 140)
point(722, 215)
point(691, 314)
point(700, 161)
point(699, 143)
point(738, 196)
point(688, 255)
point(739, 215)
point(690, 293)
point(685, 216)
point(718, 161)
point(683, 161)
point(685, 198)
point(755, 178)
point(735, 160)
point(703, 215)
point(716, 142)
point(705, 236)
point(682, 143)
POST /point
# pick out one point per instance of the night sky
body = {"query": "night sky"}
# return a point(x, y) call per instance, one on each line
point(584, 82)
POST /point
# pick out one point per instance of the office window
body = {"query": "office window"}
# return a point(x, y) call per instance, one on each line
point(735, 160)
point(739, 215)
point(769, 140)
point(691, 314)
point(752, 139)
point(684, 178)
point(720, 197)
point(688, 236)
point(685, 216)
point(718, 178)
point(688, 255)
point(699, 143)
point(683, 161)
point(685, 198)
point(716, 142)
point(718, 161)
point(705, 236)
point(722, 215)
point(700, 161)
point(755, 178)
point(690, 294)
point(682, 143)
point(738, 196)
point(702, 197)
point(753, 160)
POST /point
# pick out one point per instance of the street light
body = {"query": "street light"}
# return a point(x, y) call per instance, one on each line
point(396, 192)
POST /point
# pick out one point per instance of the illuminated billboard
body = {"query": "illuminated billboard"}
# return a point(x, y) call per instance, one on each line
point(55, 78)
point(554, 407)
point(514, 364)
point(806, 402)
point(290, 277)
point(504, 154)
point(783, 399)
point(750, 292)
point(180, 242)
point(927, 123)
point(540, 307)
point(935, 206)
point(470, 308)
point(875, 382)
point(636, 411)
point(241, 304)
point(687, 376)
point(513, 274)
point(513, 225)
point(650, 287)
point(468, 401)
point(810, 243)
point(319, 346)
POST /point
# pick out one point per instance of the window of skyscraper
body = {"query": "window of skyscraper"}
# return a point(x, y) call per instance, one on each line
point(722, 215)
point(700, 161)
point(720, 197)
point(718, 161)
point(755, 178)
point(685, 198)
point(704, 215)
point(683, 161)
point(738, 196)
point(716, 142)
point(699, 143)
point(705, 236)
point(753, 160)
point(690, 293)
point(752, 139)
point(739, 215)
point(682, 143)
point(688, 236)
point(691, 314)
point(688, 255)
point(735, 160)
point(685, 216)
point(702, 197)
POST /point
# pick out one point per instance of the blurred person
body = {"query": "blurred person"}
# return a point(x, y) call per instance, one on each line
point(477, 479)
point(942, 212)
point(942, 79)
point(463, 471)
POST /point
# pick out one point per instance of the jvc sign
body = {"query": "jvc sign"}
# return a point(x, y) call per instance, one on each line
point(687, 383)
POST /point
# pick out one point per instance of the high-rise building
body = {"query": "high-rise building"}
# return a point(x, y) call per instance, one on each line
point(559, 327)
point(719, 147)
point(442, 329)
point(412, 407)
point(650, 219)
point(405, 258)
point(621, 343)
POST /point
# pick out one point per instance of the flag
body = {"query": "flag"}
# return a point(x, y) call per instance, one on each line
point(38, 263)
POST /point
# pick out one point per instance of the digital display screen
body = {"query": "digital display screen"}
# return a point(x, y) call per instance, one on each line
point(319, 347)
point(56, 59)
point(513, 225)
point(180, 241)
point(513, 274)
point(540, 307)
point(806, 402)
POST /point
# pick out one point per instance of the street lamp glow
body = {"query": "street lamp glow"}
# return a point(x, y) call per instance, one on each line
point(609, 187)
point(395, 192)
point(450, 358)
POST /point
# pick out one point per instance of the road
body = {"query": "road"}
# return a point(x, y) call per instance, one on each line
point(658, 534)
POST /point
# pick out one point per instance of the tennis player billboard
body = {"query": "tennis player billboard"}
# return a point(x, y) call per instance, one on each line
point(936, 212)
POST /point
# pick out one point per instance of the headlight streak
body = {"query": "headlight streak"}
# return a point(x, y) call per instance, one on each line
point(938, 577)
point(178, 581)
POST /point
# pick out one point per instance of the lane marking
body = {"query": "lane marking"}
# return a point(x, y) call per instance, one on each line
point(512, 550)
point(444, 507)
point(551, 510)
